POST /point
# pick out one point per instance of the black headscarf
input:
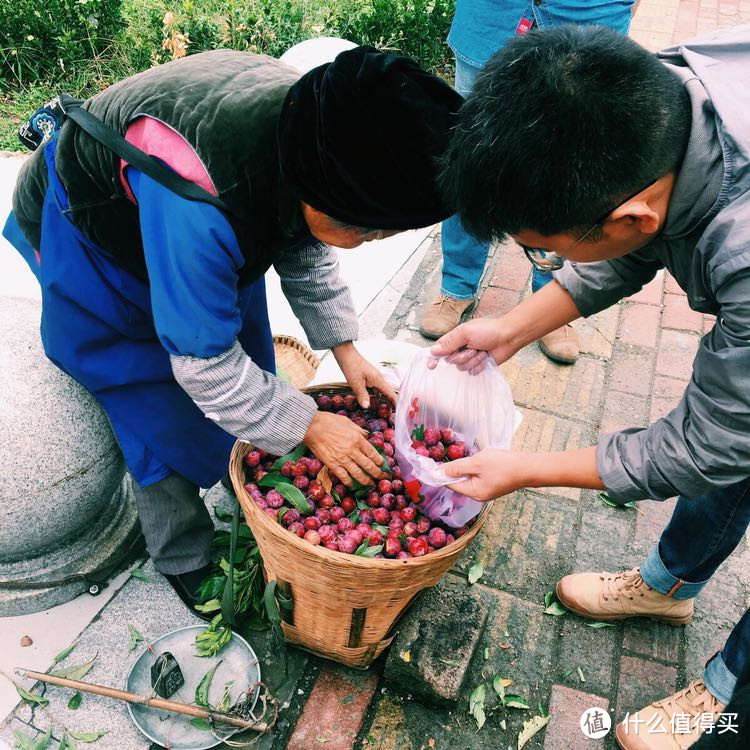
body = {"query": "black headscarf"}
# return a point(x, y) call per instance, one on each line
point(359, 140)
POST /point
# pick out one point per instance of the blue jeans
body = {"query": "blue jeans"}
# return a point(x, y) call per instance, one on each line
point(701, 534)
point(464, 257)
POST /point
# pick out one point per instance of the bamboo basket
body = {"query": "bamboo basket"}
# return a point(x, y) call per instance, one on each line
point(295, 359)
point(345, 607)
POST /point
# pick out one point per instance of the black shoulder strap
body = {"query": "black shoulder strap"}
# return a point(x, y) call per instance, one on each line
point(155, 169)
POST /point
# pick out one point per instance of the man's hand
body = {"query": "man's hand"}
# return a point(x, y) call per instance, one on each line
point(490, 473)
point(494, 472)
point(343, 448)
point(466, 346)
point(360, 374)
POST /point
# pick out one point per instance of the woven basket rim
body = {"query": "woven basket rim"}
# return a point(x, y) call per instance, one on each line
point(241, 448)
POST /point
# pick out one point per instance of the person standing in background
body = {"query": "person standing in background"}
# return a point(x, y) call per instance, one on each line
point(480, 28)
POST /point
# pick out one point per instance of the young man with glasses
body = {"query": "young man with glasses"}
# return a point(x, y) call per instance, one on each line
point(479, 29)
point(625, 163)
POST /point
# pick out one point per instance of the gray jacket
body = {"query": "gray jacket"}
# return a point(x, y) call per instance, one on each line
point(704, 442)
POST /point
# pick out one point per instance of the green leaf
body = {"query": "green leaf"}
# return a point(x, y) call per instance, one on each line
point(479, 717)
point(497, 686)
point(87, 736)
point(476, 571)
point(362, 547)
point(477, 697)
point(77, 672)
point(65, 653)
point(222, 514)
point(552, 605)
point(515, 701)
point(530, 728)
point(382, 529)
point(542, 710)
point(549, 597)
point(134, 638)
point(140, 575)
point(24, 742)
point(201, 724)
point(630, 504)
point(293, 456)
point(75, 701)
point(580, 674)
point(213, 605)
point(201, 692)
point(66, 743)
point(599, 624)
point(605, 498)
point(32, 698)
point(226, 699)
point(273, 479)
point(294, 496)
point(372, 551)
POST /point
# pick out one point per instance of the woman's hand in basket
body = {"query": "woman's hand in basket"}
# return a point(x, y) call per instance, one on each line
point(360, 374)
point(343, 448)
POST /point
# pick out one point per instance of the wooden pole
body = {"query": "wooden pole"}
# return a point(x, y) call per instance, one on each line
point(144, 700)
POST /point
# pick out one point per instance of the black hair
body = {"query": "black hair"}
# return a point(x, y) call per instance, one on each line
point(561, 124)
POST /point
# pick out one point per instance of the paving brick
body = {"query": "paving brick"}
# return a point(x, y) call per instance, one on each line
point(654, 640)
point(667, 393)
point(630, 370)
point(496, 302)
point(512, 269)
point(708, 323)
point(566, 708)
point(640, 325)
point(604, 537)
point(642, 682)
point(335, 710)
point(446, 623)
point(651, 519)
point(539, 432)
point(651, 293)
point(671, 286)
point(596, 334)
point(591, 649)
point(388, 729)
point(676, 354)
point(520, 640)
point(570, 391)
point(525, 543)
point(623, 410)
point(677, 314)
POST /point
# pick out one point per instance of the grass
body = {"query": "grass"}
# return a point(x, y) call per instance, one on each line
point(155, 31)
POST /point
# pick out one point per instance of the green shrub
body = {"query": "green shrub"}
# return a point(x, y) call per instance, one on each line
point(48, 41)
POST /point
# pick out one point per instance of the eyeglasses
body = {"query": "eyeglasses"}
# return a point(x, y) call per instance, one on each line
point(547, 261)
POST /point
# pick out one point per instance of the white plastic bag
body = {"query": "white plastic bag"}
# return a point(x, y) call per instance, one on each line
point(477, 408)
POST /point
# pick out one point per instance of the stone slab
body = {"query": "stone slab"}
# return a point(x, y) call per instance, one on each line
point(445, 625)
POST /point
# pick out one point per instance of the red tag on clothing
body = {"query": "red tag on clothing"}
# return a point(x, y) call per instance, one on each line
point(524, 25)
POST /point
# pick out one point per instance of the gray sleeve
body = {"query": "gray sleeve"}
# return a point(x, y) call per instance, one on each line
point(319, 298)
point(244, 400)
point(705, 442)
point(596, 286)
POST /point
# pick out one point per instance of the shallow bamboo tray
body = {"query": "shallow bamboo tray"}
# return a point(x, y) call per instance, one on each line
point(295, 359)
point(345, 606)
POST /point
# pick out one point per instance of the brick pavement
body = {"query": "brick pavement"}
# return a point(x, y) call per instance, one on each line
point(635, 362)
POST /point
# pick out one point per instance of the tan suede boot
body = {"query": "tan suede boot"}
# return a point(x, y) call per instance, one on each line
point(674, 723)
point(443, 314)
point(561, 345)
point(617, 596)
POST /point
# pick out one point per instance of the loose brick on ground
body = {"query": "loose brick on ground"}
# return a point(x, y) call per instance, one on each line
point(630, 370)
point(512, 268)
point(334, 712)
point(623, 410)
point(496, 302)
point(593, 650)
point(654, 640)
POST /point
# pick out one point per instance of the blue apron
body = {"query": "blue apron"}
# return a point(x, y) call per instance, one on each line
point(98, 327)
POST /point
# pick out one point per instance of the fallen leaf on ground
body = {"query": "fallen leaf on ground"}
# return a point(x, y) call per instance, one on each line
point(32, 697)
point(530, 728)
point(476, 571)
point(77, 672)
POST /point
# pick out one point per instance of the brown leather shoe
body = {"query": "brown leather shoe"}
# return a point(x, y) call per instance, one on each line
point(674, 723)
point(617, 596)
point(561, 345)
point(443, 314)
